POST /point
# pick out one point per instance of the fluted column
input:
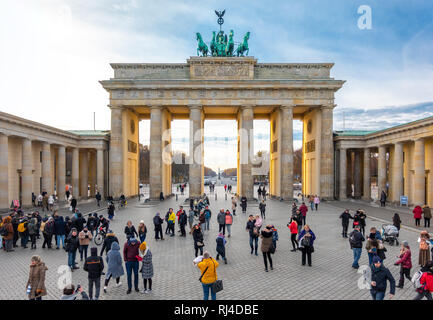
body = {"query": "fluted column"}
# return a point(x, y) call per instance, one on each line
point(4, 171)
point(75, 172)
point(397, 172)
point(26, 172)
point(343, 174)
point(195, 151)
point(116, 153)
point(247, 151)
point(46, 168)
point(155, 152)
point(381, 170)
point(358, 174)
point(84, 173)
point(419, 176)
point(100, 171)
point(327, 154)
point(286, 113)
point(367, 176)
point(61, 173)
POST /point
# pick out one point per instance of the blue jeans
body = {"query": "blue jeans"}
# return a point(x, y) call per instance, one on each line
point(207, 224)
point(370, 258)
point(24, 241)
point(60, 238)
point(142, 238)
point(132, 266)
point(356, 256)
point(256, 240)
point(206, 288)
point(71, 258)
point(377, 295)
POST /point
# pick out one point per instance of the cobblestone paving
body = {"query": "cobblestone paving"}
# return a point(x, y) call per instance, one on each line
point(331, 276)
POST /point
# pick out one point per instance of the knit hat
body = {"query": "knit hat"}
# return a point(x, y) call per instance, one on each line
point(376, 259)
point(405, 243)
point(143, 246)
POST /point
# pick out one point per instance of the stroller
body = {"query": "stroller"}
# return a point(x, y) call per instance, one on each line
point(390, 234)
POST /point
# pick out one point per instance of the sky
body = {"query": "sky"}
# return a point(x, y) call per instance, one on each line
point(54, 52)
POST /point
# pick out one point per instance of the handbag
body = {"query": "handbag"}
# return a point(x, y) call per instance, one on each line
point(272, 248)
point(217, 286)
point(200, 244)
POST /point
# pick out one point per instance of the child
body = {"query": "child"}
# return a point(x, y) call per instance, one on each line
point(274, 236)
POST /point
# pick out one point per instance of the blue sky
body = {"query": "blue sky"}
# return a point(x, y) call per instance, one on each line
point(53, 52)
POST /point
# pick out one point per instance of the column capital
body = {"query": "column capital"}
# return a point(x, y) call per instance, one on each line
point(195, 106)
point(116, 107)
point(246, 106)
point(286, 106)
point(155, 107)
point(329, 105)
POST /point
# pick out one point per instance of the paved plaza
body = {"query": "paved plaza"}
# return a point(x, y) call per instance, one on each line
point(331, 276)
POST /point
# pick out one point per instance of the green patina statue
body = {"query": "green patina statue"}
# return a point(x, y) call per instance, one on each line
point(221, 46)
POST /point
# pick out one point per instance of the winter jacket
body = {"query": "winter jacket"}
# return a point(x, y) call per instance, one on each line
point(94, 266)
point(197, 235)
point(157, 222)
point(266, 241)
point(427, 212)
point(303, 208)
point(72, 243)
point(405, 259)
point(293, 226)
point(427, 279)
point(417, 212)
point(312, 238)
point(37, 280)
point(131, 251)
point(147, 265)
point(210, 276)
point(59, 226)
point(85, 241)
point(202, 217)
point(229, 219)
point(380, 276)
point(250, 227)
point(207, 213)
point(114, 262)
point(355, 239)
point(345, 218)
point(172, 218)
point(221, 218)
point(130, 231)
point(262, 206)
point(33, 226)
point(220, 248)
point(183, 220)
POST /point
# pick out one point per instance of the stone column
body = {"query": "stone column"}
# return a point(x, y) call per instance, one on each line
point(195, 151)
point(26, 172)
point(367, 176)
point(46, 168)
point(419, 176)
point(286, 120)
point(116, 153)
point(84, 173)
point(397, 173)
point(327, 154)
point(100, 171)
point(358, 174)
point(61, 173)
point(381, 171)
point(343, 174)
point(4, 171)
point(247, 152)
point(155, 152)
point(75, 172)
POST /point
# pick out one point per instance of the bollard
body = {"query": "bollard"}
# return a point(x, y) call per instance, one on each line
point(176, 197)
point(226, 196)
point(215, 196)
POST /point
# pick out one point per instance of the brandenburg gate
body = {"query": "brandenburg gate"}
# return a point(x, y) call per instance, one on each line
point(214, 87)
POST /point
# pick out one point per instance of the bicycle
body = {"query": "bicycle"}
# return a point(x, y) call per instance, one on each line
point(100, 237)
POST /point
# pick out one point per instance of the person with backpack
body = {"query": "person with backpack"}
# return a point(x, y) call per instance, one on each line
point(147, 266)
point(220, 248)
point(266, 246)
point(254, 234)
point(110, 238)
point(229, 222)
point(293, 227)
point(191, 216)
point(157, 222)
point(424, 287)
point(355, 240)
point(33, 231)
point(379, 277)
point(72, 243)
point(208, 266)
point(7, 232)
point(207, 216)
point(114, 265)
point(306, 240)
point(130, 256)
point(405, 262)
point(221, 218)
point(24, 232)
point(198, 238)
point(262, 208)
point(345, 218)
point(60, 231)
point(47, 232)
point(36, 282)
point(92, 222)
point(85, 237)
point(94, 265)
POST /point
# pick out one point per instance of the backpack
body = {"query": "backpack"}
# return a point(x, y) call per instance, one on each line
point(4, 231)
point(416, 279)
point(32, 226)
point(21, 227)
point(42, 226)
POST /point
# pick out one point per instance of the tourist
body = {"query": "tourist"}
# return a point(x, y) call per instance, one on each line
point(182, 223)
point(50, 203)
point(178, 214)
point(197, 235)
point(345, 218)
point(59, 231)
point(225, 188)
point(73, 203)
point(244, 204)
point(208, 275)
point(259, 222)
point(405, 262)
point(78, 221)
point(207, 216)
point(157, 222)
point(303, 209)
point(33, 231)
point(191, 216)
point(72, 243)
point(254, 234)
point(306, 239)
point(396, 221)
point(311, 201)
point(293, 227)
point(259, 192)
point(266, 236)
point(15, 222)
point(130, 254)
point(94, 265)
point(47, 232)
point(130, 230)
point(355, 240)
point(111, 210)
point(427, 216)
point(379, 277)
point(234, 205)
point(383, 198)
point(264, 193)
point(426, 282)
point(171, 221)
point(36, 282)
point(202, 219)
point(220, 248)
point(417, 215)
point(85, 237)
point(147, 266)
point(374, 246)
point(98, 200)
point(316, 201)
point(103, 223)
point(262, 208)
point(274, 236)
point(114, 265)
point(221, 218)
point(92, 222)
point(23, 232)
point(69, 293)
point(40, 198)
point(45, 202)
point(359, 218)
point(68, 226)
point(294, 208)
point(229, 222)
point(142, 231)
point(424, 248)
point(110, 237)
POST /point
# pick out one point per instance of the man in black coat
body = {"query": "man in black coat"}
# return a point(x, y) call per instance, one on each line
point(355, 239)
point(182, 222)
point(109, 239)
point(157, 221)
point(379, 276)
point(345, 218)
point(94, 265)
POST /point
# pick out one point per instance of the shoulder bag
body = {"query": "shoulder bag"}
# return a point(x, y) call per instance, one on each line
point(217, 286)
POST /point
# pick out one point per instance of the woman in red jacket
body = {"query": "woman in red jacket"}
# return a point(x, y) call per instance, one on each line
point(427, 282)
point(293, 226)
point(417, 214)
point(405, 263)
